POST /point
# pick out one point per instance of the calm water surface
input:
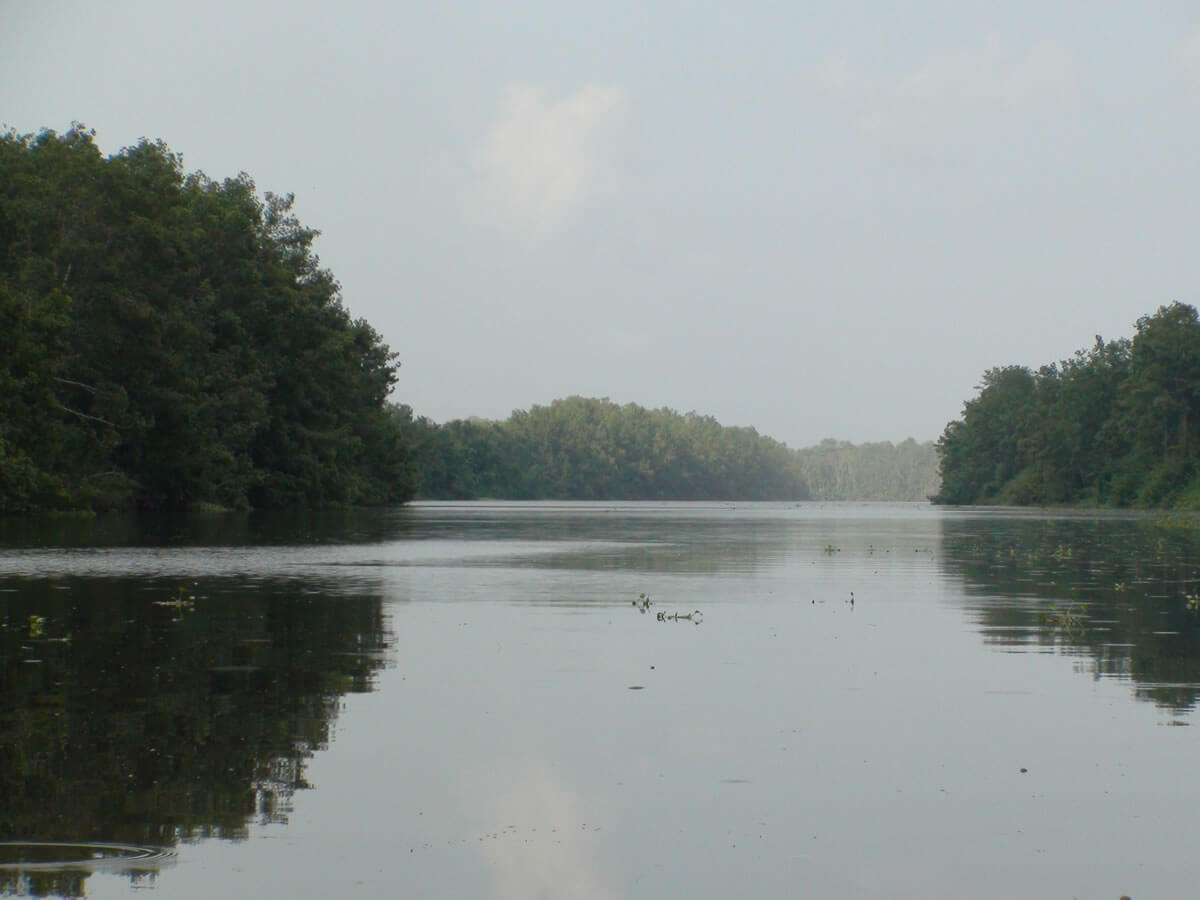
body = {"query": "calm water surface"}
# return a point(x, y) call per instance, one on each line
point(468, 700)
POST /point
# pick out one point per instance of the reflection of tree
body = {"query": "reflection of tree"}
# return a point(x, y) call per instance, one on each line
point(42, 884)
point(1114, 591)
point(123, 718)
point(232, 529)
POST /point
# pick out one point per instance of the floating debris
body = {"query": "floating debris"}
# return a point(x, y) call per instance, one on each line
point(180, 602)
point(694, 616)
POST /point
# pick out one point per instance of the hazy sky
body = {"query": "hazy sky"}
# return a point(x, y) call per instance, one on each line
point(821, 219)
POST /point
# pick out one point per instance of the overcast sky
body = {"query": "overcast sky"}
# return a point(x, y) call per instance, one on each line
point(820, 219)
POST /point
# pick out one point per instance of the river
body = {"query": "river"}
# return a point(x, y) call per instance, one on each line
point(601, 700)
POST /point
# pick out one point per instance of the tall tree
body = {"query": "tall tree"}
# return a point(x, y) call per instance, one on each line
point(172, 339)
point(1117, 425)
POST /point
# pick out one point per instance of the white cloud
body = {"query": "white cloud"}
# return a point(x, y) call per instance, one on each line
point(538, 843)
point(542, 160)
point(983, 79)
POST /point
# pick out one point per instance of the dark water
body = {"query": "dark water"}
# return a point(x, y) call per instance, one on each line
point(468, 700)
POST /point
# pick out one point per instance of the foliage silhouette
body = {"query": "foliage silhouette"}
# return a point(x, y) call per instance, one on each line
point(1117, 425)
point(167, 339)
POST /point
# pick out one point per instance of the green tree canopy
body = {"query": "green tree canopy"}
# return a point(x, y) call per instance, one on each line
point(166, 339)
point(581, 448)
point(1115, 425)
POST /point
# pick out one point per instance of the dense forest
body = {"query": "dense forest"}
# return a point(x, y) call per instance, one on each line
point(170, 340)
point(1116, 425)
point(582, 448)
point(586, 449)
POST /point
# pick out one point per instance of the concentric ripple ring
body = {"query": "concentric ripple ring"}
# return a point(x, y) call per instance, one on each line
point(81, 855)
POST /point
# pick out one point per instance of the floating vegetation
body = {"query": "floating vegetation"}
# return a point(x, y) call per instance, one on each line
point(1069, 620)
point(182, 601)
point(1062, 551)
point(695, 616)
point(1120, 587)
point(37, 627)
point(1193, 599)
point(643, 604)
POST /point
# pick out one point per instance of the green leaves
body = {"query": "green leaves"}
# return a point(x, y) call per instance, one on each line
point(587, 449)
point(1116, 425)
point(175, 340)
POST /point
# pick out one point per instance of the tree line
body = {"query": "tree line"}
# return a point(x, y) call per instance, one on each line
point(168, 339)
point(581, 448)
point(1116, 425)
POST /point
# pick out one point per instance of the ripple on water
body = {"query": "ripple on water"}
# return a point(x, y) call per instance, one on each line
point(75, 856)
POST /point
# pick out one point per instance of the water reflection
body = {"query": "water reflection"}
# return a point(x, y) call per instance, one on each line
point(520, 868)
point(232, 529)
point(667, 538)
point(333, 547)
point(147, 712)
point(48, 868)
point(162, 682)
point(1120, 593)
